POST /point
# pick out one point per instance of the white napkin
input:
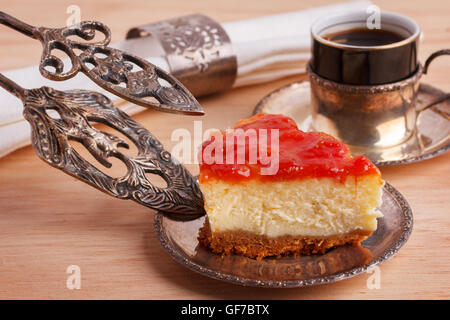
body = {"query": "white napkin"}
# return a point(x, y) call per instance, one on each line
point(267, 48)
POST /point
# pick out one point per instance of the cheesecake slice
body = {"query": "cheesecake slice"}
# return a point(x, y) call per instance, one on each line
point(285, 192)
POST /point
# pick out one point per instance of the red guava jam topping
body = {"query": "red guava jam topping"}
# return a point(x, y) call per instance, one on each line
point(271, 147)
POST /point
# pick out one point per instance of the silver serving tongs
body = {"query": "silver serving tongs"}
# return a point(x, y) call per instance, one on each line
point(75, 110)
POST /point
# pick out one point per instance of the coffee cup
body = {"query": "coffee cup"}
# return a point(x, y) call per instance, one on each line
point(365, 82)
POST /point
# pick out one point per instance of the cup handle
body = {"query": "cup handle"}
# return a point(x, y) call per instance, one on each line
point(433, 56)
point(443, 97)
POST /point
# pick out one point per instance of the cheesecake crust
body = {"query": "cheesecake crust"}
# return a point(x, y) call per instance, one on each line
point(259, 246)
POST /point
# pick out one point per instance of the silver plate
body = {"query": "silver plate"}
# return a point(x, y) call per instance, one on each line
point(179, 239)
point(431, 138)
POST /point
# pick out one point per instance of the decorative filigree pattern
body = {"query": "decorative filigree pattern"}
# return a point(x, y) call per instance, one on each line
point(199, 44)
point(198, 50)
point(76, 109)
point(123, 74)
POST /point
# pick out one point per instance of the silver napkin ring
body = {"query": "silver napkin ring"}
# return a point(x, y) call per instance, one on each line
point(198, 51)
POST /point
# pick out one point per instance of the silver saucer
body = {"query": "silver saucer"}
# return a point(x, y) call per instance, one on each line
point(432, 136)
point(179, 239)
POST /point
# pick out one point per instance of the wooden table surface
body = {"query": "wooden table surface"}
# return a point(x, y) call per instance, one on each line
point(49, 221)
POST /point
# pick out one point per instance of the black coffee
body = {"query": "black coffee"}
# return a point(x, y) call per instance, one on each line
point(364, 37)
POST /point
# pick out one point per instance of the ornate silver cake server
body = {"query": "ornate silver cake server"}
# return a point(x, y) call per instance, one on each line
point(123, 74)
point(181, 198)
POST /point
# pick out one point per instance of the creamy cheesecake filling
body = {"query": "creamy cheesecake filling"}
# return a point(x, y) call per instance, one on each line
point(320, 196)
point(306, 207)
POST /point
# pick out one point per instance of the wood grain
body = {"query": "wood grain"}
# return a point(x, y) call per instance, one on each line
point(49, 220)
